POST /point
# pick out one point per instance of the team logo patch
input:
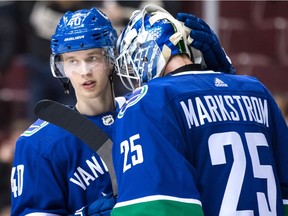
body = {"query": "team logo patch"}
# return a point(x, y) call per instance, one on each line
point(35, 127)
point(136, 96)
point(108, 120)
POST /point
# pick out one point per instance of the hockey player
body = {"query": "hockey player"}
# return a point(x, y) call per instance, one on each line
point(191, 141)
point(55, 173)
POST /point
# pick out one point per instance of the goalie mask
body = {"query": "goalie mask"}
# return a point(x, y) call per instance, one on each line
point(81, 30)
point(145, 46)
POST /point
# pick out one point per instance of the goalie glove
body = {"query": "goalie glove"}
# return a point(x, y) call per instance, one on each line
point(101, 207)
point(202, 37)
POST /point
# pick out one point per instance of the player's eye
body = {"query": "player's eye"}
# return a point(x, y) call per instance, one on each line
point(72, 62)
point(93, 59)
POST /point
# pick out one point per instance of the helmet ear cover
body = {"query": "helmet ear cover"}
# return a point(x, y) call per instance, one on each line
point(54, 59)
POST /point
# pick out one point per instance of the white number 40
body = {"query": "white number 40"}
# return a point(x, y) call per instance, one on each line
point(130, 149)
point(17, 184)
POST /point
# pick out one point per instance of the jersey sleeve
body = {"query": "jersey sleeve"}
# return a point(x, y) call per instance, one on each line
point(152, 172)
point(280, 150)
point(35, 184)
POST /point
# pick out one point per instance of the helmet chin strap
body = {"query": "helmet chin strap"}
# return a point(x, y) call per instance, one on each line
point(66, 84)
point(112, 88)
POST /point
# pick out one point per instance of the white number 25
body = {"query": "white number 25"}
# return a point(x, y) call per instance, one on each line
point(216, 144)
point(130, 149)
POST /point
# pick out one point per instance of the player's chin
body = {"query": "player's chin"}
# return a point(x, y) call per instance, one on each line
point(89, 94)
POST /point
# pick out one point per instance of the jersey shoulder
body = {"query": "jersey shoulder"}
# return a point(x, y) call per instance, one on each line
point(44, 138)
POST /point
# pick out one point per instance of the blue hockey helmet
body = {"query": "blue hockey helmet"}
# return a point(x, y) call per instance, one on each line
point(81, 30)
point(145, 46)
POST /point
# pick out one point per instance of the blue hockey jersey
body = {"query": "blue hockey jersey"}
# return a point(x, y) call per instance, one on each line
point(201, 143)
point(55, 173)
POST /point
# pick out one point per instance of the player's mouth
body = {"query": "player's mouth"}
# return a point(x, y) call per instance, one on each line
point(89, 84)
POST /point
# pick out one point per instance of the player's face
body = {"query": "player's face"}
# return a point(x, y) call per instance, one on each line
point(88, 71)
